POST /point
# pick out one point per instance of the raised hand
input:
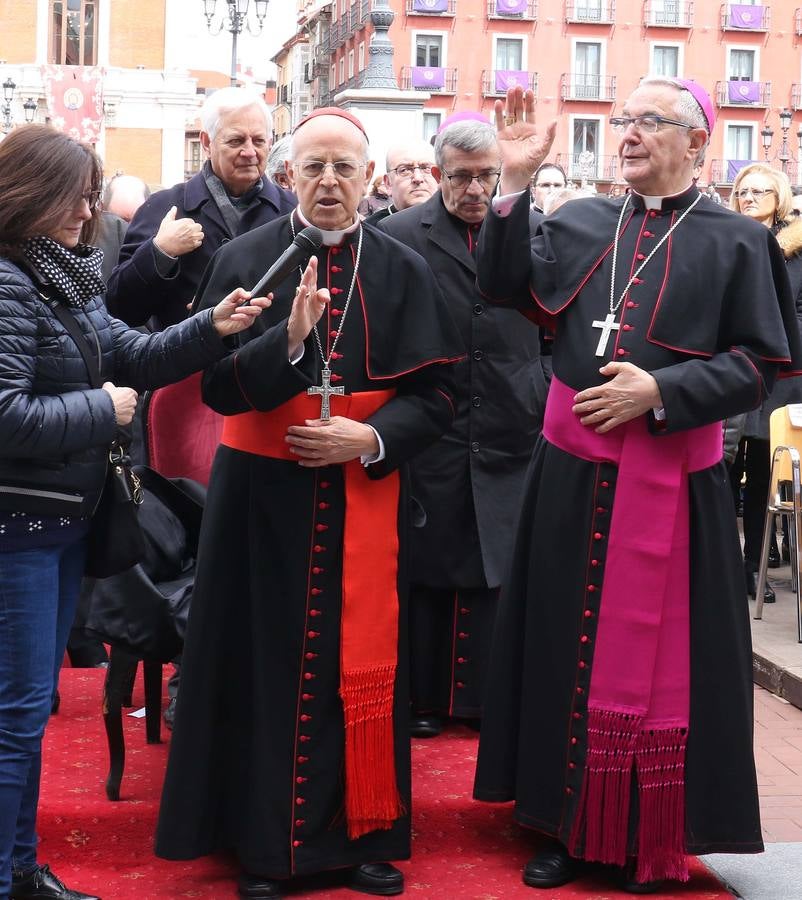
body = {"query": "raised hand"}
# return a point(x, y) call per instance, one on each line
point(307, 308)
point(237, 311)
point(522, 149)
point(176, 237)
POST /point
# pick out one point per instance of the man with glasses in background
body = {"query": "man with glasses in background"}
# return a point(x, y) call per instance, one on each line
point(408, 178)
point(467, 486)
point(299, 600)
point(549, 178)
point(620, 685)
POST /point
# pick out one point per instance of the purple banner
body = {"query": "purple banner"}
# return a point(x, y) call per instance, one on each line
point(508, 78)
point(510, 7)
point(743, 91)
point(430, 5)
point(734, 166)
point(742, 16)
point(428, 77)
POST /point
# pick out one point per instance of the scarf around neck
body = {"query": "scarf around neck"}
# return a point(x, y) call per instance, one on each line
point(75, 273)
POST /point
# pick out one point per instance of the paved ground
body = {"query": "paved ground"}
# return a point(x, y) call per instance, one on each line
point(777, 873)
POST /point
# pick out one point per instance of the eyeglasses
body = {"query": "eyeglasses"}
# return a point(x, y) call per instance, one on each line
point(756, 193)
point(647, 124)
point(461, 180)
point(92, 198)
point(342, 168)
point(407, 170)
point(550, 184)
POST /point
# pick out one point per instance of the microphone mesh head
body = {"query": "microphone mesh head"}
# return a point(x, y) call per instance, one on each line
point(311, 238)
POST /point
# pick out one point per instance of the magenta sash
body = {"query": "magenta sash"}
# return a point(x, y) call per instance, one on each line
point(639, 700)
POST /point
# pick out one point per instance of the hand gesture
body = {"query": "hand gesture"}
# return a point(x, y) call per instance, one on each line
point(237, 311)
point(327, 442)
point(629, 393)
point(176, 237)
point(124, 400)
point(522, 150)
point(307, 308)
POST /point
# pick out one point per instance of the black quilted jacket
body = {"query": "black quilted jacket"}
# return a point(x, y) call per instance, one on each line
point(55, 429)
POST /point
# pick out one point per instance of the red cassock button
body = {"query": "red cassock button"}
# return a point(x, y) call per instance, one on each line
point(588, 612)
point(605, 484)
point(584, 639)
point(299, 801)
point(315, 592)
point(569, 790)
point(300, 822)
point(325, 484)
point(304, 738)
point(652, 214)
point(315, 612)
point(297, 843)
point(303, 759)
point(637, 256)
point(307, 697)
point(594, 562)
point(627, 328)
point(336, 268)
point(336, 250)
point(335, 377)
point(598, 536)
point(312, 634)
point(464, 610)
point(577, 715)
point(318, 548)
point(462, 635)
point(571, 765)
point(621, 351)
point(336, 355)
point(305, 718)
point(460, 684)
point(301, 780)
point(336, 290)
point(580, 690)
point(591, 588)
point(308, 676)
point(573, 740)
point(323, 505)
point(332, 334)
point(648, 234)
point(336, 312)
point(631, 304)
point(461, 660)
point(310, 655)
point(582, 664)
point(316, 570)
point(320, 527)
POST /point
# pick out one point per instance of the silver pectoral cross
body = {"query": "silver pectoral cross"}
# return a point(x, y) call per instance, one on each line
point(608, 325)
point(326, 390)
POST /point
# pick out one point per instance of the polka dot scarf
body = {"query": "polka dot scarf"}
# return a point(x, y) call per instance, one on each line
point(75, 273)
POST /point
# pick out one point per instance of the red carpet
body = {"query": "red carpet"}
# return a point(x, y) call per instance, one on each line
point(461, 851)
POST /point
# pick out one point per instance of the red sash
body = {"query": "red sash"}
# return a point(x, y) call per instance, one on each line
point(369, 632)
point(639, 701)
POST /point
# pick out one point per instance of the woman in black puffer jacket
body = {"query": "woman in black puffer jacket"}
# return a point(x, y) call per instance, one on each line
point(55, 432)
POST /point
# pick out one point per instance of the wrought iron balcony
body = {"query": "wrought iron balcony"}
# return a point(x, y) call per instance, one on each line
point(495, 82)
point(575, 86)
point(579, 166)
point(590, 12)
point(739, 17)
point(444, 8)
point(742, 92)
point(360, 11)
point(435, 79)
point(668, 14)
point(525, 10)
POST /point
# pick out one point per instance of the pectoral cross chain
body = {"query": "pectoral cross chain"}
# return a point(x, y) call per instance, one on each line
point(608, 325)
point(326, 390)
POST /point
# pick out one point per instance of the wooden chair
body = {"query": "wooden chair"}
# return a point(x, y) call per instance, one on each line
point(181, 435)
point(786, 449)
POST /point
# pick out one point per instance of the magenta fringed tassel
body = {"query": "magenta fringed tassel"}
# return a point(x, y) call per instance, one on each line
point(603, 812)
point(660, 763)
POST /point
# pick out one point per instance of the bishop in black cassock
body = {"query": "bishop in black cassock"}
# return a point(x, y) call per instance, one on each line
point(283, 750)
point(619, 710)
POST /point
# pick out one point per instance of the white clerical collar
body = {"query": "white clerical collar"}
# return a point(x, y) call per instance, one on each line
point(652, 202)
point(331, 238)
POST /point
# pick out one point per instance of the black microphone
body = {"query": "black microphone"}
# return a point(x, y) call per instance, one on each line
point(295, 256)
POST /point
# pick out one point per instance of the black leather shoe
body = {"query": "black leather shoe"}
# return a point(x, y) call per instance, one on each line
point(751, 588)
point(377, 878)
point(552, 867)
point(425, 726)
point(42, 884)
point(256, 887)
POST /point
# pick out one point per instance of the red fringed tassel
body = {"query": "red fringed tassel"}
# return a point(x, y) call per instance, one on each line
point(603, 811)
point(372, 801)
point(660, 762)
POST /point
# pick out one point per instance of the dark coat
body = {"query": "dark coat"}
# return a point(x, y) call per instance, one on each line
point(786, 390)
point(137, 291)
point(110, 237)
point(55, 429)
point(259, 769)
point(705, 320)
point(469, 483)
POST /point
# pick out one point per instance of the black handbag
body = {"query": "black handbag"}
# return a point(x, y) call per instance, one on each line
point(115, 541)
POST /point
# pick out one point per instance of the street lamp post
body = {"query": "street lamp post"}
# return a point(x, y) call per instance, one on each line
point(767, 134)
point(238, 21)
point(785, 123)
point(9, 87)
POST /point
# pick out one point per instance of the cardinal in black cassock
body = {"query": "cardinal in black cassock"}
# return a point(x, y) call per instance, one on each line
point(290, 744)
point(619, 710)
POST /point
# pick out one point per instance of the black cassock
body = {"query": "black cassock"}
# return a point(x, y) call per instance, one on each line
point(256, 761)
point(468, 485)
point(704, 319)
